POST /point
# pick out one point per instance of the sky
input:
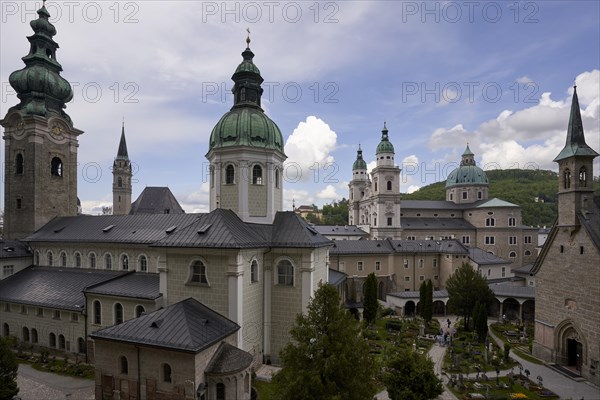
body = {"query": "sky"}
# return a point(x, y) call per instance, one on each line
point(497, 75)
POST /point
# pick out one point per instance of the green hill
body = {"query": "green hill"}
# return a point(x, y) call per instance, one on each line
point(517, 186)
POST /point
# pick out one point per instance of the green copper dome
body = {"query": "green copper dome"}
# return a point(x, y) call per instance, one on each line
point(385, 146)
point(246, 126)
point(39, 85)
point(468, 173)
point(359, 163)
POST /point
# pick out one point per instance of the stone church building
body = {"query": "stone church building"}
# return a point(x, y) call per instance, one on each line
point(168, 305)
point(567, 272)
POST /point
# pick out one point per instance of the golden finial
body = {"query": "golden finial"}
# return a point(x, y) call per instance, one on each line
point(248, 38)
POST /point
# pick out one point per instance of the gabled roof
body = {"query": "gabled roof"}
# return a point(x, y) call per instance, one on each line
point(140, 285)
point(220, 228)
point(188, 326)
point(337, 230)
point(495, 202)
point(435, 223)
point(13, 249)
point(143, 228)
point(483, 257)
point(336, 277)
point(290, 230)
point(52, 287)
point(228, 359)
point(156, 200)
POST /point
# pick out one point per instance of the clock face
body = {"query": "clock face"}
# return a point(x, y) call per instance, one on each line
point(56, 131)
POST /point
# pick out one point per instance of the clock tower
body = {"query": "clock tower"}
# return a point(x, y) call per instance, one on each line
point(40, 141)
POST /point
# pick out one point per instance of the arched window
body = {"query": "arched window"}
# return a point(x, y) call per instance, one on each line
point(49, 257)
point(139, 311)
point(52, 340)
point(230, 175)
point(56, 167)
point(490, 221)
point(389, 185)
point(34, 335)
point(254, 271)
point(92, 259)
point(124, 262)
point(285, 273)
point(119, 182)
point(143, 262)
point(81, 346)
point(166, 373)
point(257, 175)
point(512, 254)
point(582, 177)
point(61, 342)
point(19, 164)
point(108, 261)
point(527, 253)
point(5, 329)
point(63, 259)
point(123, 365)
point(375, 185)
point(25, 334)
point(97, 312)
point(277, 178)
point(567, 178)
point(198, 273)
point(37, 257)
point(77, 260)
point(118, 313)
point(220, 391)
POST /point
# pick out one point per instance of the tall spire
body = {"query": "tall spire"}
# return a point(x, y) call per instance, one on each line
point(575, 144)
point(122, 152)
point(247, 91)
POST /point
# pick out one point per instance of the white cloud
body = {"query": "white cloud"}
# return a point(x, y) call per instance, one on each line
point(308, 149)
point(94, 207)
point(528, 138)
point(412, 188)
point(370, 167)
point(197, 201)
point(524, 79)
point(329, 193)
point(297, 197)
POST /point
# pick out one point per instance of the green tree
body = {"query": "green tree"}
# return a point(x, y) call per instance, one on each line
point(370, 304)
point(327, 358)
point(410, 376)
point(465, 288)
point(426, 300)
point(480, 325)
point(8, 371)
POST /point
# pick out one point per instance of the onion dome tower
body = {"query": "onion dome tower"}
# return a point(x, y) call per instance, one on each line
point(357, 186)
point(467, 183)
point(246, 151)
point(40, 139)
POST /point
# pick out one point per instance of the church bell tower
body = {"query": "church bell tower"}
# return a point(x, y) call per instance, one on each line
point(40, 141)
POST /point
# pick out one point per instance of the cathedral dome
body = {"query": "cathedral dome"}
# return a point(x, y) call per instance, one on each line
point(246, 126)
point(468, 173)
point(359, 163)
point(385, 146)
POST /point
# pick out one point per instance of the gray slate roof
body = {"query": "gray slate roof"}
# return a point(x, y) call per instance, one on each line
point(218, 229)
point(508, 290)
point(140, 285)
point(228, 359)
point(52, 287)
point(448, 205)
point(188, 326)
point(483, 257)
point(336, 277)
point(13, 249)
point(337, 230)
point(525, 269)
point(435, 223)
point(437, 294)
point(156, 200)
point(387, 246)
point(143, 228)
